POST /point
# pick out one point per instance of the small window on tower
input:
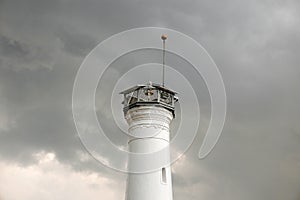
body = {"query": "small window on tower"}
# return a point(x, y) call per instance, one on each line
point(163, 175)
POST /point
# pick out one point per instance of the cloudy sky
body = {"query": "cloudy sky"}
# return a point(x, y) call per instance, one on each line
point(255, 44)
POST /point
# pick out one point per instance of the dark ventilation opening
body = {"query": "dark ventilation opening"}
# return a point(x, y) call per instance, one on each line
point(164, 175)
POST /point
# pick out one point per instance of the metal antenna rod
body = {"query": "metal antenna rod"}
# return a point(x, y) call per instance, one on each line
point(164, 37)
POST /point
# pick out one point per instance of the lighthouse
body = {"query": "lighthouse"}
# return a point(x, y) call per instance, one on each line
point(149, 110)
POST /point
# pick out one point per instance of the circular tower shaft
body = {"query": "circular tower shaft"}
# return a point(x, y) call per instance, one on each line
point(149, 130)
point(149, 110)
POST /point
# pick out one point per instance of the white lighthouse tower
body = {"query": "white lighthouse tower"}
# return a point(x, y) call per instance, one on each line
point(149, 110)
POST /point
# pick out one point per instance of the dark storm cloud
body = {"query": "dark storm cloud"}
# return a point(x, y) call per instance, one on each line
point(254, 43)
point(40, 112)
point(12, 47)
point(76, 43)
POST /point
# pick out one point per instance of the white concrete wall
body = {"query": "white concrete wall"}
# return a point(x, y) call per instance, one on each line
point(149, 127)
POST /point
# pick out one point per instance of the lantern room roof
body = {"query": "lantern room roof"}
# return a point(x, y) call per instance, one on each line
point(153, 85)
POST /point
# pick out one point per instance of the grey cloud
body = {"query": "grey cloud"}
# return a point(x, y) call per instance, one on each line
point(254, 43)
point(76, 43)
point(12, 47)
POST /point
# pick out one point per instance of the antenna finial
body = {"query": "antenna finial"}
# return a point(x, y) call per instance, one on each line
point(164, 38)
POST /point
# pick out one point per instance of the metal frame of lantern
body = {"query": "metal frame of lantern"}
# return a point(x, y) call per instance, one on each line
point(151, 94)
